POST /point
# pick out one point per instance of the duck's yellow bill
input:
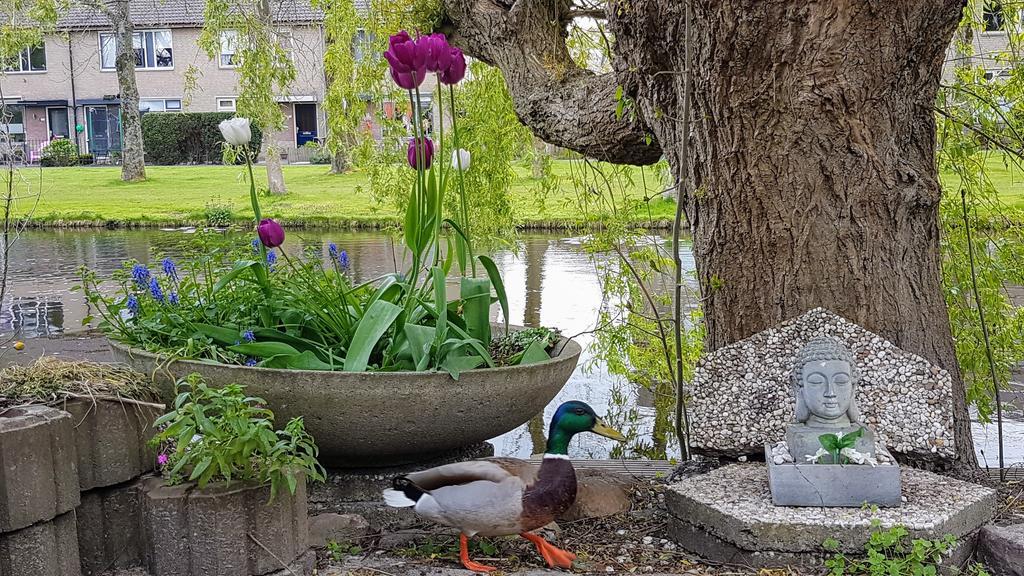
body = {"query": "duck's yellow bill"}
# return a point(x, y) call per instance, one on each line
point(607, 431)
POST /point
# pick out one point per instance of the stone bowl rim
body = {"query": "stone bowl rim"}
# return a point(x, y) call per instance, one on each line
point(570, 350)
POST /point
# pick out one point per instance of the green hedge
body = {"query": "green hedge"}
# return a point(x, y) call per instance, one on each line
point(187, 137)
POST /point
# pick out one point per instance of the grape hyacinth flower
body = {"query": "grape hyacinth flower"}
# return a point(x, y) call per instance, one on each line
point(155, 290)
point(173, 298)
point(170, 270)
point(343, 260)
point(332, 249)
point(141, 275)
point(427, 150)
point(133, 305)
point(271, 258)
point(256, 245)
point(248, 336)
point(270, 232)
point(251, 362)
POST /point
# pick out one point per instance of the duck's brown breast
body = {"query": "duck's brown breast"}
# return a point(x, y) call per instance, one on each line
point(551, 495)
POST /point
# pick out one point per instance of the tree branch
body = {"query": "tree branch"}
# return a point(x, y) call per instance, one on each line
point(563, 103)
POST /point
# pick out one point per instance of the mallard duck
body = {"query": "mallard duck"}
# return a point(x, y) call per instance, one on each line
point(504, 496)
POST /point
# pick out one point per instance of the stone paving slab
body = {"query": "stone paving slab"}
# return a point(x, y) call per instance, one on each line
point(733, 504)
point(399, 567)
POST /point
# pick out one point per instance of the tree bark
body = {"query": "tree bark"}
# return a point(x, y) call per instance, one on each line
point(275, 173)
point(133, 157)
point(812, 176)
point(339, 162)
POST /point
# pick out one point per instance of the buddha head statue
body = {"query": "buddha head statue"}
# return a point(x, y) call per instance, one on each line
point(824, 380)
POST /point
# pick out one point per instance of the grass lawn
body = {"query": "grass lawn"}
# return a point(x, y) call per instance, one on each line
point(175, 195)
point(180, 195)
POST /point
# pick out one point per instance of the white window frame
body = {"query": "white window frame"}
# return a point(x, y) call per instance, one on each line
point(233, 54)
point(25, 56)
point(164, 102)
point(142, 34)
point(232, 108)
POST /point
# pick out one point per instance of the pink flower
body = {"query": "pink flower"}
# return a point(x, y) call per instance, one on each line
point(270, 232)
point(428, 152)
point(407, 60)
point(162, 459)
point(439, 53)
point(456, 68)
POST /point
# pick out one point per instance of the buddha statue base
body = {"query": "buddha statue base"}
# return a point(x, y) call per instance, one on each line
point(803, 441)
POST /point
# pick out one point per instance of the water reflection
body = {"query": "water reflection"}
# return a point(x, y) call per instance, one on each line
point(551, 281)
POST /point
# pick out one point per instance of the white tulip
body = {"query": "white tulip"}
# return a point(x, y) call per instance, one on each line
point(236, 131)
point(462, 157)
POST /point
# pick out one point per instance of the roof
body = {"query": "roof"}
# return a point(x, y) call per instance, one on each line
point(179, 14)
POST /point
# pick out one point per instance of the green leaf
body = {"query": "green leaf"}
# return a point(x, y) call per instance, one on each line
point(372, 326)
point(475, 294)
point(201, 467)
point(412, 223)
point(534, 353)
point(499, 286)
point(456, 364)
point(829, 442)
point(226, 336)
point(240, 267)
point(302, 361)
point(440, 300)
point(264, 349)
point(419, 338)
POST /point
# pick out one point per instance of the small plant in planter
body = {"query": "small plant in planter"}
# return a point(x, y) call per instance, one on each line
point(220, 434)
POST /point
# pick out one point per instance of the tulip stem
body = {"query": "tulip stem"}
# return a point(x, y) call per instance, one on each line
point(462, 189)
point(261, 271)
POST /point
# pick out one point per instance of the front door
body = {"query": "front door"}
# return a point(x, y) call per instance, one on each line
point(305, 123)
point(104, 130)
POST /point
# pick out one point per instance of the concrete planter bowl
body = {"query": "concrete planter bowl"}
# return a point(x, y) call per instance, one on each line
point(384, 418)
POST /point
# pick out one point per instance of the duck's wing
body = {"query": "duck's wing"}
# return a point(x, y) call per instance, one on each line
point(495, 470)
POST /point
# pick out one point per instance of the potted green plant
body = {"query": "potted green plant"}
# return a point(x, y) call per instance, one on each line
point(232, 491)
point(301, 333)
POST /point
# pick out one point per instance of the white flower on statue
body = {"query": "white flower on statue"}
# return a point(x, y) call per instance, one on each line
point(236, 131)
point(460, 159)
point(813, 458)
point(858, 457)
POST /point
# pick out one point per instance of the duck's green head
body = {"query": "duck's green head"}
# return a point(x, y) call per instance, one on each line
point(574, 417)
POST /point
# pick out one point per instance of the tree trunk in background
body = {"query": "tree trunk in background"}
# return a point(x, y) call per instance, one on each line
point(275, 173)
point(812, 174)
point(133, 158)
point(339, 163)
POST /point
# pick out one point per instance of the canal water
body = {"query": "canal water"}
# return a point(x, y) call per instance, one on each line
point(551, 280)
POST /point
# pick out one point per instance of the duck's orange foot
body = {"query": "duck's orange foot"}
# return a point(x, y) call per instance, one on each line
point(554, 557)
point(464, 557)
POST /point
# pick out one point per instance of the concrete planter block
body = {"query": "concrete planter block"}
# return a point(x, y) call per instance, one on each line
point(224, 530)
point(1001, 548)
point(45, 549)
point(111, 439)
point(109, 528)
point(833, 485)
point(38, 475)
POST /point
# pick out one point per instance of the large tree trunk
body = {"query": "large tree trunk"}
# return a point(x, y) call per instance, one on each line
point(812, 173)
point(275, 173)
point(133, 158)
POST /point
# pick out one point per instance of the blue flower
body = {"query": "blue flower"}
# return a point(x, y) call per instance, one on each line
point(256, 245)
point(141, 275)
point(155, 291)
point(343, 260)
point(248, 336)
point(133, 305)
point(332, 249)
point(173, 298)
point(250, 362)
point(170, 270)
point(271, 258)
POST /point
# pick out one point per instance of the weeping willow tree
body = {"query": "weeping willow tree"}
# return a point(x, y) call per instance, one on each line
point(265, 67)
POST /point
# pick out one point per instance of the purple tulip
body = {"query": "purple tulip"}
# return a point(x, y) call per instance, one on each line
point(427, 151)
point(439, 53)
point(407, 59)
point(271, 233)
point(456, 68)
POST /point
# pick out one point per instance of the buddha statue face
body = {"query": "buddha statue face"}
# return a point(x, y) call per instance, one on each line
point(824, 379)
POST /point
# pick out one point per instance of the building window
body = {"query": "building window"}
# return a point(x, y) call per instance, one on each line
point(992, 14)
point(160, 105)
point(13, 121)
point(286, 41)
point(153, 50)
point(229, 49)
point(31, 59)
point(362, 45)
point(225, 104)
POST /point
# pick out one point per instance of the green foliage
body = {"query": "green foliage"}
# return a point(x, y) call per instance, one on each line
point(59, 152)
point(187, 137)
point(892, 553)
point(222, 434)
point(318, 153)
point(980, 124)
point(836, 443)
point(218, 215)
point(85, 159)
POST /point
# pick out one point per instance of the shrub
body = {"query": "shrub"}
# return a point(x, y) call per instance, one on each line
point(60, 152)
point(187, 137)
point(223, 434)
point(318, 153)
point(85, 159)
point(218, 215)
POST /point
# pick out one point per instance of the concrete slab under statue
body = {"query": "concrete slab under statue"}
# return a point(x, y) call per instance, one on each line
point(829, 457)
